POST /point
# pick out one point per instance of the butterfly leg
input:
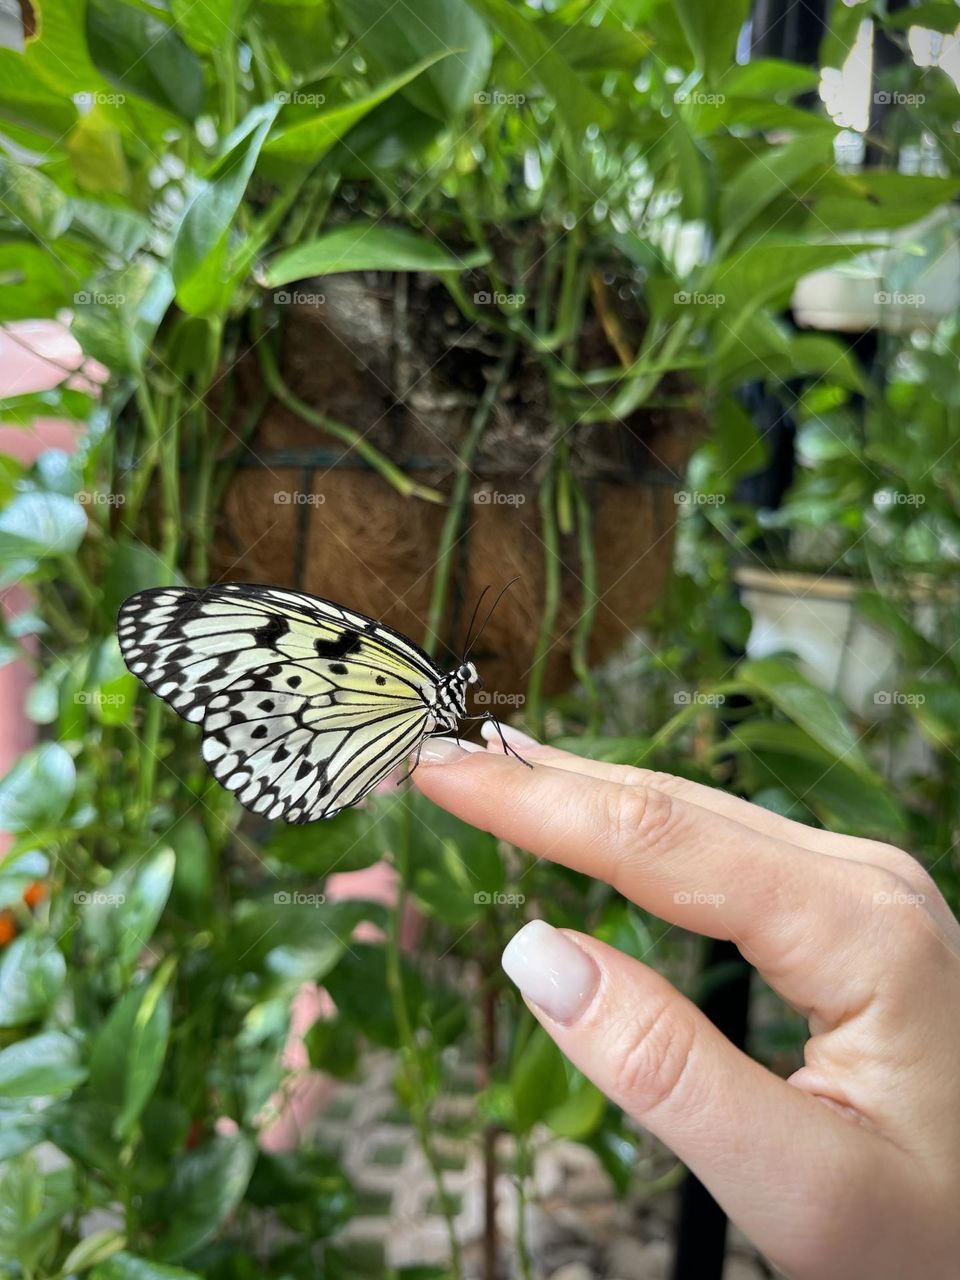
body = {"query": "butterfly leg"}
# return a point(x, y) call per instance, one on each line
point(409, 774)
point(507, 749)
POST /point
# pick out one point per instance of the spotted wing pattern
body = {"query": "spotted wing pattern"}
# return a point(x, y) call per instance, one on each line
point(305, 705)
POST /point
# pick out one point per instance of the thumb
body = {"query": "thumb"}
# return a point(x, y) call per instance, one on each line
point(754, 1140)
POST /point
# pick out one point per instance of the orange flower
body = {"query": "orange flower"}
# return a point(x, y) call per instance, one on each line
point(8, 927)
point(34, 893)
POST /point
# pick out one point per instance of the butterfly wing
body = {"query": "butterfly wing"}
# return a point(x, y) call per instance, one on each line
point(305, 705)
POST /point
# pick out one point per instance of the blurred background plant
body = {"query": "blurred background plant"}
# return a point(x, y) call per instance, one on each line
point(167, 170)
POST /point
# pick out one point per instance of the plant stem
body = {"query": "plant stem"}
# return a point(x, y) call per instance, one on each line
point(458, 500)
point(551, 598)
point(410, 1052)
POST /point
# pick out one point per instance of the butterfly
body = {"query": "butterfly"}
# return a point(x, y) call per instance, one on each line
point(305, 705)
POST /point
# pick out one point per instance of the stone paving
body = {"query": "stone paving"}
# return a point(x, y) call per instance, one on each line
point(576, 1228)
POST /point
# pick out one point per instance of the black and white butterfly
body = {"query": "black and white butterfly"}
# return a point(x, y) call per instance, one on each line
point(305, 705)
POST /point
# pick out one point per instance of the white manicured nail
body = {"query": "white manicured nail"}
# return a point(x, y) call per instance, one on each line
point(446, 750)
point(492, 729)
point(551, 970)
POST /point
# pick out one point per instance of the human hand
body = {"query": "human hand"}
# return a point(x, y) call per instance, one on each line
point(849, 1169)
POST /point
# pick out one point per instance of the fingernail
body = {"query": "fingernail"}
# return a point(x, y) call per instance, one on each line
point(492, 729)
point(446, 750)
point(551, 970)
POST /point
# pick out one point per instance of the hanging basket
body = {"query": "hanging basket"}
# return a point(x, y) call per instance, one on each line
point(390, 357)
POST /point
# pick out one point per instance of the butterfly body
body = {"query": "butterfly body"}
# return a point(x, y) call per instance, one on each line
point(305, 705)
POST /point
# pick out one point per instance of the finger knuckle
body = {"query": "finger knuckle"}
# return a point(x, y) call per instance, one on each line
point(639, 815)
point(652, 1060)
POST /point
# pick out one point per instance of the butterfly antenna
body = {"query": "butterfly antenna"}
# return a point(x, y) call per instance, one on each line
point(473, 618)
point(500, 594)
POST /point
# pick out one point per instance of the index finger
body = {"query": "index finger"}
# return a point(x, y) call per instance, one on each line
point(787, 911)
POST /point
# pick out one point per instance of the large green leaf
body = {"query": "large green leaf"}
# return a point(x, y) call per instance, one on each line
point(538, 1080)
point(127, 1054)
point(712, 31)
point(33, 282)
point(36, 527)
point(32, 198)
point(32, 973)
point(343, 843)
point(199, 256)
point(116, 317)
point(398, 35)
point(208, 25)
point(362, 246)
point(773, 172)
point(207, 1184)
point(41, 1066)
point(818, 713)
point(308, 138)
point(35, 793)
point(943, 17)
point(126, 1266)
point(577, 105)
point(142, 55)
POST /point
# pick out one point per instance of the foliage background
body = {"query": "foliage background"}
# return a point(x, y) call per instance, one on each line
point(167, 168)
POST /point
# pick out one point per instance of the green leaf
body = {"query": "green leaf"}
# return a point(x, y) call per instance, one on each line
point(21, 1202)
point(209, 26)
point(41, 1066)
point(769, 78)
point(343, 843)
point(33, 283)
point(21, 1129)
point(127, 1053)
point(95, 147)
point(773, 172)
point(116, 317)
point(712, 31)
point(586, 47)
point(33, 199)
point(362, 246)
point(199, 254)
point(538, 1080)
point(32, 973)
point(126, 1266)
point(37, 790)
point(132, 566)
point(307, 140)
point(576, 104)
point(206, 1185)
point(333, 1046)
point(398, 36)
point(139, 915)
point(35, 527)
point(820, 714)
point(97, 1247)
point(943, 17)
point(581, 1113)
point(123, 231)
point(142, 55)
